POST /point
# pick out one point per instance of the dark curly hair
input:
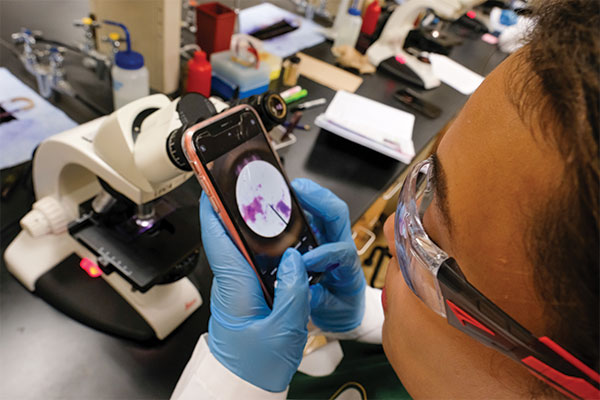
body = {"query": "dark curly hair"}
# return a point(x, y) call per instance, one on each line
point(559, 101)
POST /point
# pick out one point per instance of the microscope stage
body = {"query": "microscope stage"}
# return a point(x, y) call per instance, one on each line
point(147, 253)
point(91, 301)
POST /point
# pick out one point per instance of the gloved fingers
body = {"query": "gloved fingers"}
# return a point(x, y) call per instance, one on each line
point(325, 205)
point(316, 226)
point(236, 292)
point(291, 292)
point(214, 236)
point(340, 266)
point(318, 296)
point(234, 303)
point(331, 256)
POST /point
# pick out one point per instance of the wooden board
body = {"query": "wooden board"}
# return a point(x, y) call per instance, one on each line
point(328, 75)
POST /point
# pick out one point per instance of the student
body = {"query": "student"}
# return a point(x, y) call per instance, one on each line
point(510, 195)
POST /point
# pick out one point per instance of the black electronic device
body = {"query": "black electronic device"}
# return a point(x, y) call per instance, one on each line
point(274, 30)
point(432, 40)
point(414, 102)
point(399, 70)
point(473, 24)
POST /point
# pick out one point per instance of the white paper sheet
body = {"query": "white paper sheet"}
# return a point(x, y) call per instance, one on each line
point(372, 124)
point(455, 75)
point(34, 120)
point(307, 35)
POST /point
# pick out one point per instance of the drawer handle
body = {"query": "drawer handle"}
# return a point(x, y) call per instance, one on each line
point(392, 192)
point(369, 242)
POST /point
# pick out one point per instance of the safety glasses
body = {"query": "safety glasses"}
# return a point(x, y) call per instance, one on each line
point(438, 281)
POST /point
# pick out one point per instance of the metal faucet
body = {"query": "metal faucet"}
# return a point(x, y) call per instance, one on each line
point(89, 27)
point(115, 40)
point(28, 39)
point(93, 59)
point(188, 14)
point(56, 74)
point(49, 76)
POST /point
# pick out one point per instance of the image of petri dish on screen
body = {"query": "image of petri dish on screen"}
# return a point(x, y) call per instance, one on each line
point(263, 198)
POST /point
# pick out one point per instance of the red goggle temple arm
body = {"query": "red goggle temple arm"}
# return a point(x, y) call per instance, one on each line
point(474, 314)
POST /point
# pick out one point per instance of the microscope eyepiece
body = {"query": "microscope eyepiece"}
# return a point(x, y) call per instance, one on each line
point(194, 107)
point(191, 108)
point(175, 151)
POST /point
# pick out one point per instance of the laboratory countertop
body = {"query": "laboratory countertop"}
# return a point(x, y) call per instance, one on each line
point(45, 354)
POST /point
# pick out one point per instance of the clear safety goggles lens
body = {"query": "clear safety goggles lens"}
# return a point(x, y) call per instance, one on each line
point(418, 257)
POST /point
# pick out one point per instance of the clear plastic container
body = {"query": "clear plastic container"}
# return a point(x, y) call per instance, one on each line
point(129, 85)
point(342, 12)
point(350, 29)
point(130, 77)
point(229, 76)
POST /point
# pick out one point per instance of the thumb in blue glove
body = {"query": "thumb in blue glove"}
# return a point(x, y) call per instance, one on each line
point(338, 300)
point(260, 345)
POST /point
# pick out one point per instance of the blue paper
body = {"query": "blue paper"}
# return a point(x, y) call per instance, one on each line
point(25, 120)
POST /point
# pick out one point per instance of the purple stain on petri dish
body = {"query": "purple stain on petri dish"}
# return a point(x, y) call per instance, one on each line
point(283, 208)
point(249, 211)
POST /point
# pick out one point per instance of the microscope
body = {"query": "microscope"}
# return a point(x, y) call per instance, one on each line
point(106, 242)
point(389, 51)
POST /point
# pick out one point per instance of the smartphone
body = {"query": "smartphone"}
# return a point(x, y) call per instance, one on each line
point(241, 173)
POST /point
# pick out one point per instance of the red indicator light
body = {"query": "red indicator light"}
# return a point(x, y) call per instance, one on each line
point(90, 267)
point(400, 60)
point(189, 304)
point(471, 14)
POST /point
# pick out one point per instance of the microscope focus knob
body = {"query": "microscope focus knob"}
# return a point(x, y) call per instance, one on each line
point(46, 216)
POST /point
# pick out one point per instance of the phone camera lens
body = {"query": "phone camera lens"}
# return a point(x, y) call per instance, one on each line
point(202, 148)
point(252, 122)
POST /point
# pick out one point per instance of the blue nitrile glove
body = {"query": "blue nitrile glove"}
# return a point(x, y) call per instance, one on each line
point(260, 345)
point(338, 300)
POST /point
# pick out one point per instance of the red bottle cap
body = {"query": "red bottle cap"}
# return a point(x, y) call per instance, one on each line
point(199, 56)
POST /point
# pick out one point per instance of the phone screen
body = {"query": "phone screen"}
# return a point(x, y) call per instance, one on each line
point(255, 192)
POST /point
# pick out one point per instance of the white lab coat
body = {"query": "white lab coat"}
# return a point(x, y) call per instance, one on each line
point(204, 377)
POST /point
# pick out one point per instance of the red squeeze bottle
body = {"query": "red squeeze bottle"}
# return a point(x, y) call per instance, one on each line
point(199, 74)
point(370, 18)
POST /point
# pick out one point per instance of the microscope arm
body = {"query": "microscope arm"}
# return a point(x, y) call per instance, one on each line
point(158, 151)
point(139, 141)
point(391, 40)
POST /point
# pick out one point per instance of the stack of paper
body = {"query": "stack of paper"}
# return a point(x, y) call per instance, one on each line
point(374, 125)
point(454, 75)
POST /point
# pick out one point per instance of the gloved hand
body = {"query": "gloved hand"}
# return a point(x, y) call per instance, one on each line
point(338, 300)
point(260, 345)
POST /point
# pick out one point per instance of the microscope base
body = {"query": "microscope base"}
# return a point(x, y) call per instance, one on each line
point(92, 302)
point(50, 267)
